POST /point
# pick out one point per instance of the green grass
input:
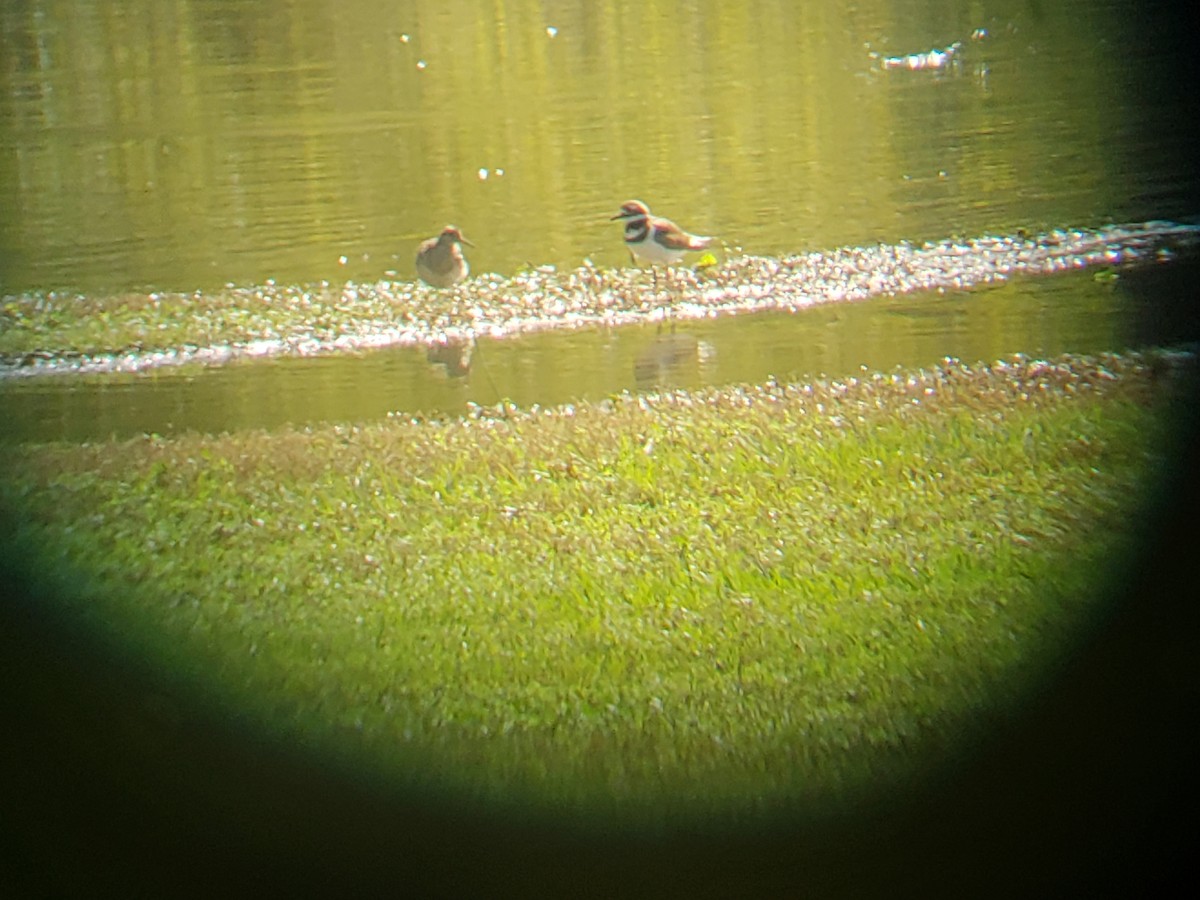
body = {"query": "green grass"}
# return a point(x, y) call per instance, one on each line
point(695, 602)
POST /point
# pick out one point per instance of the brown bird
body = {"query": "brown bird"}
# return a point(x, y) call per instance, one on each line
point(440, 260)
point(658, 241)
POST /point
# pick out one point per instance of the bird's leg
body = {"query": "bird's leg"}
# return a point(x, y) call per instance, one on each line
point(671, 305)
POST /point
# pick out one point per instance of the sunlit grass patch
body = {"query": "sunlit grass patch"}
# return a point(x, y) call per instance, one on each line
point(691, 600)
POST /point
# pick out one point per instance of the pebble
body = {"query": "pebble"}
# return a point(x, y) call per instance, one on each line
point(274, 319)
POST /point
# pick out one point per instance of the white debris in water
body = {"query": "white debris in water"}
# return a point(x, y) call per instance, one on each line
point(931, 59)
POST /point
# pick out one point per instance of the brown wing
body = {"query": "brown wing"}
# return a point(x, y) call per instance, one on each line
point(673, 237)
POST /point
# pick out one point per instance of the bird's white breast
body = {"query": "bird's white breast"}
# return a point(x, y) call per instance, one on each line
point(654, 252)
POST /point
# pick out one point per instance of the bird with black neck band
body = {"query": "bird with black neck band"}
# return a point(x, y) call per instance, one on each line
point(654, 239)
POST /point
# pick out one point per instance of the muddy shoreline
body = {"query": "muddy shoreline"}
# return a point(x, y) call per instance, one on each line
point(52, 333)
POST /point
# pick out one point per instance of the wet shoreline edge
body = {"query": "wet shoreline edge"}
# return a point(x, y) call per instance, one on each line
point(357, 317)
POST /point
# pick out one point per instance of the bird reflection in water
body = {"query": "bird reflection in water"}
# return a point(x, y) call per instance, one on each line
point(453, 354)
point(671, 358)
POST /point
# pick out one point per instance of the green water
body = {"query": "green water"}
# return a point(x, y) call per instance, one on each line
point(1072, 313)
point(184, 145)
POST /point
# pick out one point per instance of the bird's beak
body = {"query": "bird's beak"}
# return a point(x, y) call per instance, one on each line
point(621, 215)
point(465, 241)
